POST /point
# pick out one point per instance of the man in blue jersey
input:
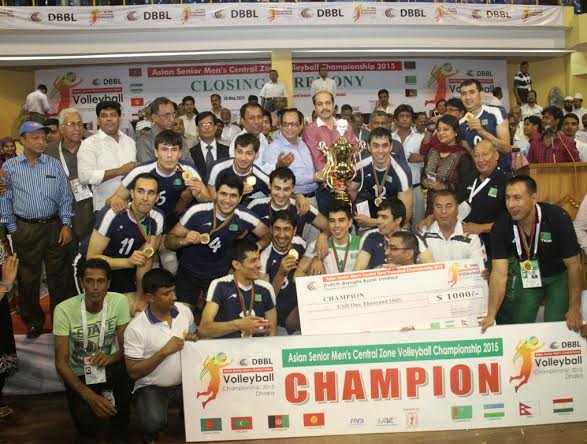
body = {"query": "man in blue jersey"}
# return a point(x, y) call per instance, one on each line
point(391, 216)
point(279, 261)
point(380, 176)
point(240, 304)
point(483, 122)
point(282, 182)
point(179, 183)
point(256, 182)
point(128, 241)
point(204, 234)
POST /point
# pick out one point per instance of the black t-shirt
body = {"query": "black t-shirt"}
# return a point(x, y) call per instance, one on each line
point(557, 239)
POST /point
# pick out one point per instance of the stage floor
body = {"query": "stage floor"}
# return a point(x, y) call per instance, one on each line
point(45, 418)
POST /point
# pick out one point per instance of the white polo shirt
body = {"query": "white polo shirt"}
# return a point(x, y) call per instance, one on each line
point(146, 335)
point(456, 247)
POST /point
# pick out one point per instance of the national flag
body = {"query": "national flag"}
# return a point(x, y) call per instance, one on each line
point(493, 410)
point(135, 72)
point(563, 405)
point(410, 80)
point(137, 101)
point(241, 423)
point(462, 412)
point(313, 419)
point(409, 65)
point(529, 408)
point(411, 93)
point(278, 421)
point(210, 424)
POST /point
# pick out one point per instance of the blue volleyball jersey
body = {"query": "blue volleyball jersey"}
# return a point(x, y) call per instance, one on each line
point(223, 292)
point(226, 166)
point(398, 180)
point(263, 210)
point(287, 298)
point(209, 261)
point(124, 234)
point(170, 185)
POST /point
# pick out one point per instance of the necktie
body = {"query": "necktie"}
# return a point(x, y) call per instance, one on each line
point(209, 157)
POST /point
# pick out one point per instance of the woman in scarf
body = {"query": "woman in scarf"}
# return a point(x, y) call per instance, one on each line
point(447, 163)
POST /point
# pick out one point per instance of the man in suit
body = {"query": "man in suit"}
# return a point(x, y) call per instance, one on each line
point(207, 151)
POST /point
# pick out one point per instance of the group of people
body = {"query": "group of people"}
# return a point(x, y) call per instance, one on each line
point(166, 238)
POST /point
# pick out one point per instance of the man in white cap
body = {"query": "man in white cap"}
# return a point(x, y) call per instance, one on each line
point(568, 105)
point(578, 108)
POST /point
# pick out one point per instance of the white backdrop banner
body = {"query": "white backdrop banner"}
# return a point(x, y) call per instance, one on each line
point(417, 82)
point(517, 375)
point(302, 14)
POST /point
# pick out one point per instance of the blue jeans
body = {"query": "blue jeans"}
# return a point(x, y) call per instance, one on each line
point(151, 404)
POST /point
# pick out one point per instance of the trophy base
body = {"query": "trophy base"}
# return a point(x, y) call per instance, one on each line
point(343, 195)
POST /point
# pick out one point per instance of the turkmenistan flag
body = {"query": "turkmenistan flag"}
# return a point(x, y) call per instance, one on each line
point(241, 423)
point(210, 424)
point(410, 80)
point(462, 412)
point(278, 421)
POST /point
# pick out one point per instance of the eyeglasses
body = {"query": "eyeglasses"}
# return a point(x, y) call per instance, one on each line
point(290, 124)
point(167, 115)
point(394, 248)
point(72, 124)
point(205, 124)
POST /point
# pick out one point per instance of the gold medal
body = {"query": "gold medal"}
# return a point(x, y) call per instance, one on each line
point(186, 175)
point(468, 116)
point(378, 201)
point(527, 265)
point(293, 253)
point(204, 238)
point(244, 334)
point(251, 180)
point(149, 251)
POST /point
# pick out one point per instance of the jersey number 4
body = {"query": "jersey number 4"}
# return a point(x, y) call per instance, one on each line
point(215, 244)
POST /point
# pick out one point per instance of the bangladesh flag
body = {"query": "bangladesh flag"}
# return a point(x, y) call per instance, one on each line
point(210, 424)
point(241, 423)
point(462, 412)
point(278, 421)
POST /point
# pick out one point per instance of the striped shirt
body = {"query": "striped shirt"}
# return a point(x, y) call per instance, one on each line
point(38, 191)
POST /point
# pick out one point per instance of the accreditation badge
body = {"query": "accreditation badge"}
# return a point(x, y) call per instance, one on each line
point(530, 272)
point(464, 210)
point(80, 191)
point(92, 373)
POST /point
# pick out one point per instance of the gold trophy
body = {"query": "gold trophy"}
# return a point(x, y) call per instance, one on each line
point(340, 163)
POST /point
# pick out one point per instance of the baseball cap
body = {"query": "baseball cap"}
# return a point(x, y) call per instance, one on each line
point(579, 96)
point(569, 98)
point(142, 124)
point(31, 127)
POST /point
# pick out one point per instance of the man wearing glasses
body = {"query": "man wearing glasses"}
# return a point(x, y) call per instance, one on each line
point(163, 113)
point(288, 150)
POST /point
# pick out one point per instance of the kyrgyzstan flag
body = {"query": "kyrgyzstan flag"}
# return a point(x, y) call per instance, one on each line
point(241, 423)
point(313, 419)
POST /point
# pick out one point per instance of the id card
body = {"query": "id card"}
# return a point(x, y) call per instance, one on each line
point(92, 373)
point(530, 277)
point(363, 208)
point(464, 210)
point(80, 191)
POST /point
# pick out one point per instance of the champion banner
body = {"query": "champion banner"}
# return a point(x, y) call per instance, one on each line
point(237, 389)
point(255, 15)
point(417, 82)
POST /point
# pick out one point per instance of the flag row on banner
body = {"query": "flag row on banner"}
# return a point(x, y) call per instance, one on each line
point(283, 14)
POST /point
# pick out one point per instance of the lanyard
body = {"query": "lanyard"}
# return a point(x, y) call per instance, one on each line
point(475, 190)
point(534, 235)
point(242, 299)
point(62, 158)
point(226, 221)
point(147, 235)
point(346, 254)
point(381, 186)
point(102, 324)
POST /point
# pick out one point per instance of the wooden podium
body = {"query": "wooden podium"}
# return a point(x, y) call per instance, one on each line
point(563, 184)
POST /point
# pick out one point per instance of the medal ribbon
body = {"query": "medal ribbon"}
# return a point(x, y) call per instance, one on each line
point(346, 253)
point(242, 299)
point(223, 224)
point(379, 186)
point(147, 235)
point(520, 236)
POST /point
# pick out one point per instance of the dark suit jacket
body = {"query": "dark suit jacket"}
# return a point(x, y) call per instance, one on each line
point(200, 161)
